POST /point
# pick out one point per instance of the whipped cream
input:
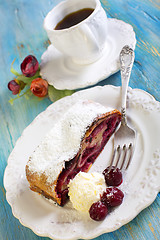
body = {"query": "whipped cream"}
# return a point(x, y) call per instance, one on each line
point(85, 189)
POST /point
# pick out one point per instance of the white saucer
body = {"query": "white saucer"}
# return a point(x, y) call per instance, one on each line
point(61, 72)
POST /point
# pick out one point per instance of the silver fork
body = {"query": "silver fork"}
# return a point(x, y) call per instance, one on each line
point(124, 138)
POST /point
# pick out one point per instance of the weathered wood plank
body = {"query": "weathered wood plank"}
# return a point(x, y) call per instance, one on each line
point(21, 33)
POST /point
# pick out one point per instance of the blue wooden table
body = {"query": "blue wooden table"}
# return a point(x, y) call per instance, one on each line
point(21, 33)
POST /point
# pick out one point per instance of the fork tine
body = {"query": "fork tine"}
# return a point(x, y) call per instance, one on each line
point(111, 163)
point(116, 150)
point(119, 155)
point(130, 154)
point(124, 156)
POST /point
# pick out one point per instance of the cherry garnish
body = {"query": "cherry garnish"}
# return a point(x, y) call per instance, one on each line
point(113, 177)
point(98, 211)
point(112, 197)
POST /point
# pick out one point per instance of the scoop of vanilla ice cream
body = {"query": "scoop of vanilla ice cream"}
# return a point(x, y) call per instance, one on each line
point(85, 189)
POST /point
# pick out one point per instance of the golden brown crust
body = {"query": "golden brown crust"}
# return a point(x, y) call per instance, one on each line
point(38, 183)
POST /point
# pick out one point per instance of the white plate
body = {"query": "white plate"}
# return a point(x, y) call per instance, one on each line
point(141, 182)
point(61, 72)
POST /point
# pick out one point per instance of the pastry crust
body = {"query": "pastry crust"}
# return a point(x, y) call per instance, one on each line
point(91, 145)
point(38, 183)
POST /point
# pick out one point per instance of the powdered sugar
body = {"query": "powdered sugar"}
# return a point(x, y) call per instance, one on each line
point(63, 141)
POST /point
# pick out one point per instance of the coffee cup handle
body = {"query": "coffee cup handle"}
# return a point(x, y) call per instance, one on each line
point(86, 31)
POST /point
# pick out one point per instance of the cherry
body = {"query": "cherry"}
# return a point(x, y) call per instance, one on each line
point(14, 87)
point(113, 177)
point(29, 66)
point(98, 211)
point(112, 197)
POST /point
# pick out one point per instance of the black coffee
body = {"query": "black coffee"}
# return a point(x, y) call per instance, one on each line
point(74, 18)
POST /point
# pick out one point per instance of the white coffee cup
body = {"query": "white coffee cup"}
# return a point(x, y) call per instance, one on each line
point(83, 42)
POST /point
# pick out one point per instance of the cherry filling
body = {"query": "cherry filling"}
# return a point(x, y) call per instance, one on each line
point(91, 146)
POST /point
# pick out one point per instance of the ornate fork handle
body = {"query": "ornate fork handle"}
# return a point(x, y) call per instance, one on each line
point(126, 63)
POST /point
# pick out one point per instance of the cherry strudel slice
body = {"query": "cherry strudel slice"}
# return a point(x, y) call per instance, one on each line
point(71, 146)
